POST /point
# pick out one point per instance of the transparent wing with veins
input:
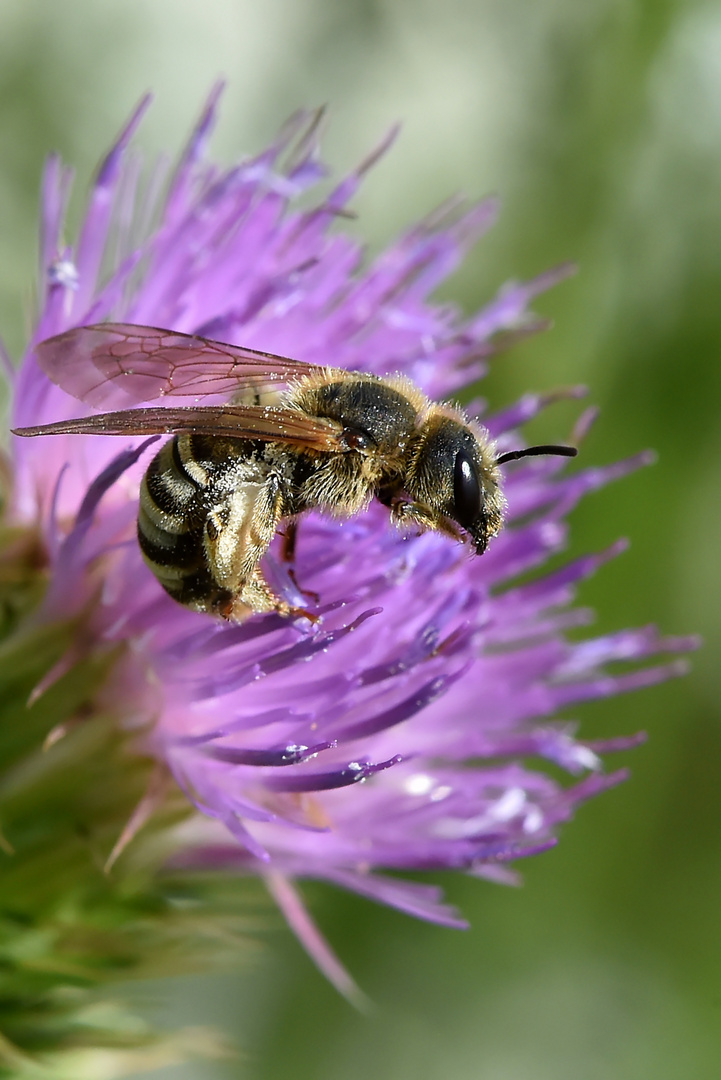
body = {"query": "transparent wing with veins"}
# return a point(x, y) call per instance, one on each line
point(118, 365)
point(123, 364)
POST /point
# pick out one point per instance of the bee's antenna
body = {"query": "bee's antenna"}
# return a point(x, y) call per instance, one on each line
point(535, 451)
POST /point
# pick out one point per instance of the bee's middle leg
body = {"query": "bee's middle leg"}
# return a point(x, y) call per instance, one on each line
point(287, 551)
point(290, 535)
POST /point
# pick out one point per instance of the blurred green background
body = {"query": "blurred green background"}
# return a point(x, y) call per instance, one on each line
point(599, 123)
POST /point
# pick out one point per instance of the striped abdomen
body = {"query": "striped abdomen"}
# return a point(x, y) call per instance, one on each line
point(172, 519)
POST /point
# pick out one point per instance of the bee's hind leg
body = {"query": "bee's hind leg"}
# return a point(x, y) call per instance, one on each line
point(238, 531)
point(254, 596)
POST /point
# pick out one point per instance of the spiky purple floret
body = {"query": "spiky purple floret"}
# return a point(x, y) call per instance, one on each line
point(390, 735)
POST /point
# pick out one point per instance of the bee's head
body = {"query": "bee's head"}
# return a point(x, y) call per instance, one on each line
point(454, 474)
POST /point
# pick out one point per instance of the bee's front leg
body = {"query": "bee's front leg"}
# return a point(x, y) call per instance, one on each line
point(405, 513)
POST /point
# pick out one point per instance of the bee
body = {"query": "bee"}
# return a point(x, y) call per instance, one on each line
point(291, 437)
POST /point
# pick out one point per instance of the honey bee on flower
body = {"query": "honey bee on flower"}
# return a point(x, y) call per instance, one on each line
point(214, 496)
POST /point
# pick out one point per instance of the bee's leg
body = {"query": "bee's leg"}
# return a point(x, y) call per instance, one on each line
point(288, 555)
point(238, 531)
point(289, 538)
point(256, 595)
point(405, 513)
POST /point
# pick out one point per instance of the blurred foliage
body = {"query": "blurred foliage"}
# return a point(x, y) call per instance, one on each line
point(600, 125)
point(73, 928)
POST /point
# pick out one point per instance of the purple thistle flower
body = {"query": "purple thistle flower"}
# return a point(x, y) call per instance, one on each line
point(393, 734)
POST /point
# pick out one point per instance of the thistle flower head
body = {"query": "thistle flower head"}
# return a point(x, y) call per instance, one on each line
point(394, 734)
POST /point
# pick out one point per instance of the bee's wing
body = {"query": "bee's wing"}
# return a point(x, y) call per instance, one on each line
point(120, 365)
point(236, 421)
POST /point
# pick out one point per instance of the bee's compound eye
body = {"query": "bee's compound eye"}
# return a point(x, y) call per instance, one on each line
point(466, 490)
point(355, 439)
